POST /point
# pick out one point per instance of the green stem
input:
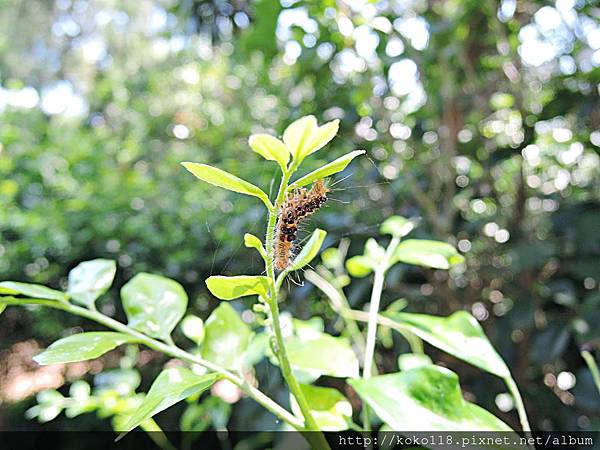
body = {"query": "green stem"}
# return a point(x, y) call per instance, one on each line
point(317, 440)
point(589, 360)
point(170, 350)
point(368, 367)
point(514, 390)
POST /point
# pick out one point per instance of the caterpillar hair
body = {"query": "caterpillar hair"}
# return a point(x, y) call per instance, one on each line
point(298, 205)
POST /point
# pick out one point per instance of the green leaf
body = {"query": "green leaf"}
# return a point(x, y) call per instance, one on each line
point(319, 138)
point(229, 288)
point(220, 178)
point(298, 134)
point(271, 148)
point(226, 339)
point(330, 409)
point(427, 398)
point(170, 387)
point(193, 328)
point(359, 266)
point(2, 307)
point(31, 290)
point(309, 251)
point(321, 354)
point(459, 335)
point(252, 241)
point(409, 361)
point(397, 226)
point(82, 346)
point(154, 304)
point(333, 167)
point(426, 253)
point(90, 279)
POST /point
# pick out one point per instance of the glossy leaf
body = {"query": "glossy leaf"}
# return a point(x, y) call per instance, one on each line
point(322, 354)
point(31, 290)
point(170, 387)
point(193, 328)
point(409, 361)
point(90, 279)
point(330, 409)
point(319, 138)
point(459, 335)
point(229, 288)
point(427, 253)
point(359, 266)
point(298, 134)
point(397, 226)
point(225, 180)
point(153, 304)
point(226, 338)
point(270, 148)
point(335, 166)
point(82, 346)
point(309, 251)
point(427, 398)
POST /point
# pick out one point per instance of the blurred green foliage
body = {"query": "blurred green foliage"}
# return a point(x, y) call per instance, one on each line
point(480, 117)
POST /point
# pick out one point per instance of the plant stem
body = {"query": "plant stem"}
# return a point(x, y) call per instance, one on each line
point(589, 360)
point(317, 440)
point(170, 350)
point(380, 272)
point(514, 390)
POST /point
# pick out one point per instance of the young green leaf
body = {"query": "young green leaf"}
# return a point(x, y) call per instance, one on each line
point(271, 148)
point(229, 288)
point(252, 241)
point(359, 266)
point(431, 401)
point(298, 134)
point(304, 136)
point(397, 226)
point(309, 251)
point(321, 354)
point(226, 338)
point(193, 328)
point(459, 335)
point(225, 180)
point(154, 304)
point(90, 279)
point(170, 387)
point(333, 167)
point(330, 409)
point(31, 290)
point(82, 346)
point(2, 307)
point(426, 253)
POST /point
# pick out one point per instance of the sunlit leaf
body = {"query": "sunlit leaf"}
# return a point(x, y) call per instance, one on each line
point(330, 409)
point(459, 335)
point(309, 251)
point(427, 253)
point(320, 138)
point(333, 167)
point(271, 148)
point(397, 226)
point(221, 178)
point(408, 361)
point(359, 266)
point(31, 290)
point(193, 328)
point(226, 338)
point(170, 387)
point(322, 354)
point(90, 279)
point(153, 304)
point(229, 288)
point(427, 398)
point(298, 134)
point(82, 346)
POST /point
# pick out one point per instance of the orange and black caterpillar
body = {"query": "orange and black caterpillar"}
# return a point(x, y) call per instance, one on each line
point(298, 205)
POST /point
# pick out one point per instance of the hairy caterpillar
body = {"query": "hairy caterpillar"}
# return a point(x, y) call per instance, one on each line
point(297, 206)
